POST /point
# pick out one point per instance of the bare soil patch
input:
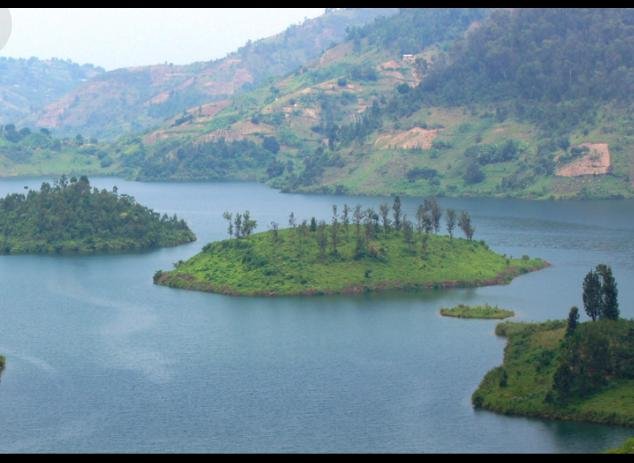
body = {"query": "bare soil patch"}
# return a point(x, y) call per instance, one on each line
point(595, 162)
point(416, 137)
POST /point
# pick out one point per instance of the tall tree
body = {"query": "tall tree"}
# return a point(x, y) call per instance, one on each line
point(357, 217)
point(592, 295)
point(275, 236)
point(334, 230)
point(248, 224)
point(573, 321)
point(464, 222)
point(345, 218)
point(384, 211)
point(237, 228)
point(228, 217)
point(436, 214)
point(322, 239)
point(451, 222)
point(396, 207)
point(609, 293)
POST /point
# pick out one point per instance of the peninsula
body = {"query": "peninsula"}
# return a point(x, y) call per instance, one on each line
point(567, 370)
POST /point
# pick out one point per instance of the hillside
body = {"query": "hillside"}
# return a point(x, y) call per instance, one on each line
point(27, 85)
point(298, 117)
point(367, 118)
point(70, 216)
point(133, 99)
point(25, 152)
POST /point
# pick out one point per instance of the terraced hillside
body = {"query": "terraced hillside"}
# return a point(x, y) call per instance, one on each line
point(130, 100)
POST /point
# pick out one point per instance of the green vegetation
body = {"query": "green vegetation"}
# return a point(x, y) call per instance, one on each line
point(524, 384)
point(38, 152)
point(626, 448)
point(71, 217)
point(426, 102)
point(564, 370)
point(348, 122)
point(480, 311)
point(358, 251)
point(2, 364)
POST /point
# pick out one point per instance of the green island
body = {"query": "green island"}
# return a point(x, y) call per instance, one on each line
point(567, 370)
point(480, 311)
point(368, 253)
point(72, 217)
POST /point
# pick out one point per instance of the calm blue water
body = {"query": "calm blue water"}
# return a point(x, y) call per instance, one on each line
point(101, 360)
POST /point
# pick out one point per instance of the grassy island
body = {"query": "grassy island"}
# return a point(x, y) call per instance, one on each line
point(344, 257)
point(584, 376)
point(70, 216)
point(479, 311)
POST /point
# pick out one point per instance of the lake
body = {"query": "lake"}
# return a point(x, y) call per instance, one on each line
point(101, 360)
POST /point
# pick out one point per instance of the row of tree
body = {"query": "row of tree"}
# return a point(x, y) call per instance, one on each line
point(367, 224)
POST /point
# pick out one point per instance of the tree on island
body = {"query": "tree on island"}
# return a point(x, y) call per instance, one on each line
point(600, 294)
point(275, 236)
point(592, 294)
point(345, 218)
point(396, 207)
point(384, 211)
point(609, 293)
point(451, 222)
point(229, 218)
point(573, 321)
point(322, 239)
point(464, 222)
point(435, 213)
point(334, 230)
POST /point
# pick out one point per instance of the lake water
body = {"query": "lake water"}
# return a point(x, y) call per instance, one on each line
point(101, 360)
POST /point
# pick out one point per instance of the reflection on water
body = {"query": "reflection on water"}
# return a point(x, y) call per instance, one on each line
point(100, 359)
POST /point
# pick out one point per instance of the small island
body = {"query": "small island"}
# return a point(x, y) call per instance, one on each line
point(480, 311)
point(72, 217)
point(567, 370)
point(359, 251)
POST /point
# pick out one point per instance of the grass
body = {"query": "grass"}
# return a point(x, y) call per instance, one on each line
point(626, 448)
point(521, 384)
point(479, 311)
point(257, 266)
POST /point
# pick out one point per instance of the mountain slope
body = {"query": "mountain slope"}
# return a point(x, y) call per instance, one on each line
point(478, 124)
point(27, 85)
point(288, 128)
point(132, 99)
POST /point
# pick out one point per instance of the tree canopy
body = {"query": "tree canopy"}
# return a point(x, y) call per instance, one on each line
point(70, 216)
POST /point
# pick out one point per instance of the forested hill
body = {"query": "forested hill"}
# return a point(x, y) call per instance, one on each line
point(27, 85)
point(130, 100)
point(70, 216)
point(532, 56)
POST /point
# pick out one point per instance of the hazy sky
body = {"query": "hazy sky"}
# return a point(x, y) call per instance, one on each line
point(119, 37)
